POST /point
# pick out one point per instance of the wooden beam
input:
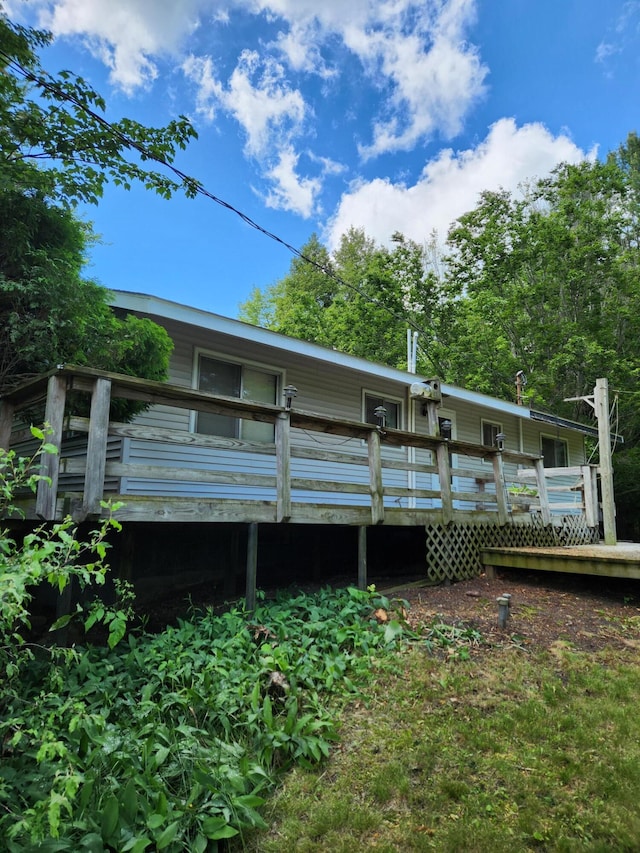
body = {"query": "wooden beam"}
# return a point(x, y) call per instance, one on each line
point(362, 557)
point(50, 468)
point(96, 447)
point(283, 467)
point(252, 566)
point(375, 478)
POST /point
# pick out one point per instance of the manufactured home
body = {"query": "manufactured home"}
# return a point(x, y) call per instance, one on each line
point(270, 445)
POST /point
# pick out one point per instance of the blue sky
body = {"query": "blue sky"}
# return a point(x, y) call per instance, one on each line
point(388, 116)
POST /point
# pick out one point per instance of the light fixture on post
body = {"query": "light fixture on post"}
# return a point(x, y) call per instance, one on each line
point(445, 428)
point(500, 440)
point(290, 391)
point(381, 416)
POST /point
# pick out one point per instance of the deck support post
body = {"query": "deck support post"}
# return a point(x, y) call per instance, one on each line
point(47, 492)
point(362, 558)
point(96, 447)
point(6, 423)
point(283, 467)
point(252, 566)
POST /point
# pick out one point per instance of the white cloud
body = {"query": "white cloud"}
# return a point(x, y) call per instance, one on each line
point(451, 183)
point(257, 95)
point(290, 191)
point(426, 74)
point(127, 35)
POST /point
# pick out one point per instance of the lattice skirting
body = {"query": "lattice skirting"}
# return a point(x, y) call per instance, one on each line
point(453, 551)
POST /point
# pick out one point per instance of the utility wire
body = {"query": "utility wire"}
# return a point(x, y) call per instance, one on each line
point(197, 188)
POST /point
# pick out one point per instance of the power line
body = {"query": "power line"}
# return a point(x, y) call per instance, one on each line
point(194, 186)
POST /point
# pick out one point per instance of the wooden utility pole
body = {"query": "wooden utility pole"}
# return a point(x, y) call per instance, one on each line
point(601, 405)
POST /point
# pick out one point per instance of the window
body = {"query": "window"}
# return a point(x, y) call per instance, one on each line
point(235, 380)
point(555, 452)
point(371, 403)
point(490, 433)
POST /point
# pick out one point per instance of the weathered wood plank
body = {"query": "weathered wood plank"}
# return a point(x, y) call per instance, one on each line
point(362, 558)
point(574, 560)
point(175, 436)
point(54, 416)
point(158, 472)
point(96, 447)
point(375, 478)
point(444, 476)
point(283, 467)
point(543, 494)
point(501, 492)
point(252, 566)
point(590, 491)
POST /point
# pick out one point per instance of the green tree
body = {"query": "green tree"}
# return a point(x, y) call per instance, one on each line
point(56, 150)
point(542, 283)
point(360, 299)
point(57, 121)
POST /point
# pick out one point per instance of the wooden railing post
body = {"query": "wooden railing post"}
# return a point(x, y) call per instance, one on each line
point(543, 494)
point(96, 447)
point(501, 487)
point(54, 417)
point(444, 475)
point(590, 495)
point(283, 467)
point(375, 478)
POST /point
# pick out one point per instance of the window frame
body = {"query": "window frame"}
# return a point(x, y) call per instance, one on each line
point(259, 366)
point(486, 422)
point(386, 398)
point(556, 440)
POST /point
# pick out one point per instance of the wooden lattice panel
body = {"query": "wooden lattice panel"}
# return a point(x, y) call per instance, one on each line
point(453, 551)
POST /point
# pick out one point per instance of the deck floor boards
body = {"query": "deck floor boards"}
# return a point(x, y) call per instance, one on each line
point(621, 560)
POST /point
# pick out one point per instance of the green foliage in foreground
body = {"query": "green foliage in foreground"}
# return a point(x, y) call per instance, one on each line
point(173, 743)
point(505, 750)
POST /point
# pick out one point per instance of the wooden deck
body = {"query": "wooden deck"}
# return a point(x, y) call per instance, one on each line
point(612, 561)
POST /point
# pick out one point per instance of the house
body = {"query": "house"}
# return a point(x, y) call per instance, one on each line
point(256, 430)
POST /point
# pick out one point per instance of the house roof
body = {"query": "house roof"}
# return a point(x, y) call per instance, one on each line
point(167, 309)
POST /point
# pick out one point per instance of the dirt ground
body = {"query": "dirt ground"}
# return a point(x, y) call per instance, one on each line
point(546, 607)
point(587, 612)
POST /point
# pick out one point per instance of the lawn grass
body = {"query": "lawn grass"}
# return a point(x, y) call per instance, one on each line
point(498, 750)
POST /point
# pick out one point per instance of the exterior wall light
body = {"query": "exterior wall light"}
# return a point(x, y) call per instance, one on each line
point(381, 416)
point(500, 440)
point(445, 428)
point(290, 391)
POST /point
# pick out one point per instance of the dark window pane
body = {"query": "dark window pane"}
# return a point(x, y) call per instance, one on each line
point(393, 411)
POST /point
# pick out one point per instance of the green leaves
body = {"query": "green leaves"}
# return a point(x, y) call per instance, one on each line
point(174, 741)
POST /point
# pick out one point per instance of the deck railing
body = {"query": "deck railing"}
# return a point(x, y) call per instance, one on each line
point(372, 497)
